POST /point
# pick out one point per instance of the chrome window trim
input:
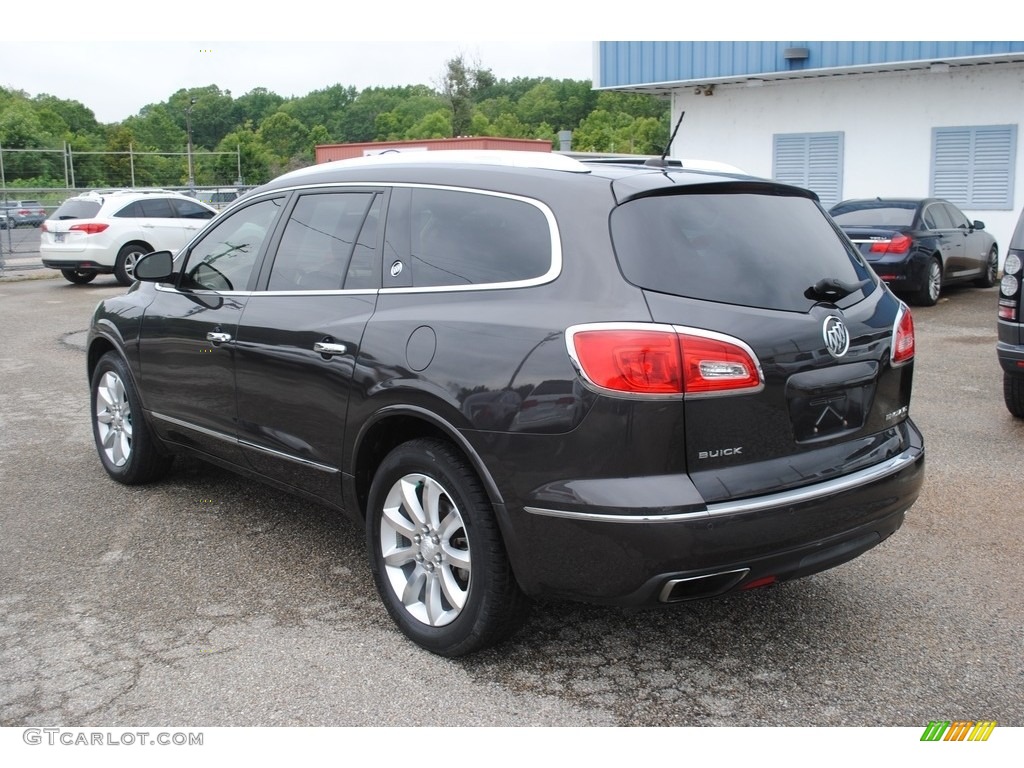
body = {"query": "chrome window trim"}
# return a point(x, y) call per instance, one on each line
point(244, 443)
point(554, 270)
point(783, 499)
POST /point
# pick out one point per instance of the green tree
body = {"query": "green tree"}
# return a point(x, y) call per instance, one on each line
point(461, 84)
point(284, 137)
point(255, 159)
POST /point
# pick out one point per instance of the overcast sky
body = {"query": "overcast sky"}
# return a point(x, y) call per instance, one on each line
point(116, 56)
point(116, 79)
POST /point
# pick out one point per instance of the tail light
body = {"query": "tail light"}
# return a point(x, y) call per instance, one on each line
point(650, 359)
point(90, 228)
point(903, 337)
point(898, 244)
point(1010, 287)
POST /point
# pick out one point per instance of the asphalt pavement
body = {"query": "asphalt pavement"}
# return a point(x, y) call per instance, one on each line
point(210, 601)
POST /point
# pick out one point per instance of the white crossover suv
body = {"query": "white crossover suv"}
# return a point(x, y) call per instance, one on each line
point(109, 230)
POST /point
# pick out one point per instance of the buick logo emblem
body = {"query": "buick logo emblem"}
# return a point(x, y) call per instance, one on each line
point(837, 338)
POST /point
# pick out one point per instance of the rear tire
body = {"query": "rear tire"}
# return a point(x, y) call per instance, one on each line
point(127, 258)
point(1013, 394)
point(436, 553)
point(931, 289)
point(78, 276)
point(991, 270)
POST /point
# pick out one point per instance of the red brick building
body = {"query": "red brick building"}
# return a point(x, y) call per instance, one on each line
point(327, 152)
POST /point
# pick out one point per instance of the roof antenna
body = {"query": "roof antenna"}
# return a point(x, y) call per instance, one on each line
point(661, 162)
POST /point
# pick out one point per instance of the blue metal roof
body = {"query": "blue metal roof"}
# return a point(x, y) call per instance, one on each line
point(637, 63)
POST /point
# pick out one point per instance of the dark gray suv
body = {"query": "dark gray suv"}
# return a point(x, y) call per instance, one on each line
point(525, 375)
point(1010, 347)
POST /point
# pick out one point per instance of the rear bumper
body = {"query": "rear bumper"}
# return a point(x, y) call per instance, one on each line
point(76, 264)
point(1011, 357)
point(697, 551)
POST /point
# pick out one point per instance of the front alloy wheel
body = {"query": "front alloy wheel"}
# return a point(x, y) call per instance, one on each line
point(113, 419)
point(125, 446)
point(437, 555)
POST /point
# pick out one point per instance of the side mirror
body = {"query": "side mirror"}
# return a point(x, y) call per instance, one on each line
point(979, 224)
point(155, 267)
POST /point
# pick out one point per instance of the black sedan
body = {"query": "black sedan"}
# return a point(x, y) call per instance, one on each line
point(919, 245)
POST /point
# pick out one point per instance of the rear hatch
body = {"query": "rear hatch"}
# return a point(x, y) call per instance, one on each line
point(72, 223)
point(760, 269)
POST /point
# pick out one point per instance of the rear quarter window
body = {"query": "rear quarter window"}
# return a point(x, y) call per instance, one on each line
point(756, 250)
point(466, 238)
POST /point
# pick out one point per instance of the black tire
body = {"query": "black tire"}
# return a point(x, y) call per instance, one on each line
point(127, 449)
point(928, 294)
point(127, 258)
point(991, 270)
point(1013, 394)
point(448, 609)
point(78, 276)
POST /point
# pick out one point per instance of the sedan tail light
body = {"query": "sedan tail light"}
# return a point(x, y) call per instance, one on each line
point(898, 244)
point(649, 359)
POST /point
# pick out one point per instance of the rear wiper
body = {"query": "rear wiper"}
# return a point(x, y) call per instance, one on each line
point(833, 289)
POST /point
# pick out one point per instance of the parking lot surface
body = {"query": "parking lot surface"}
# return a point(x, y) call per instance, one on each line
point(210, 601)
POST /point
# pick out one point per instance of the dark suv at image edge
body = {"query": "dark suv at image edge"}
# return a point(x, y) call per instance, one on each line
point(524, 375)
point(1010, 346)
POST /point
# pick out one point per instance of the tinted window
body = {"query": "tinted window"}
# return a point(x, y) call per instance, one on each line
point(320, 240)
point(77, 209)
point(874, 214)
point(149, 208)
point(956, 216)
point(935, 217)
point(462, 238)
point(186, 209)
point(224, 259)
point(748, 249)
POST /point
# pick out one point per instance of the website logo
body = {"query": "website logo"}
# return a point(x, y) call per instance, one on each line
point(958, 730)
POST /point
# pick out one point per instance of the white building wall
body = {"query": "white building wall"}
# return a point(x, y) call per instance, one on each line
point(886, 120)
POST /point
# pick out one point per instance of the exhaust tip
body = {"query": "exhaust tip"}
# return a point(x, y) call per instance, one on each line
point(698, 587)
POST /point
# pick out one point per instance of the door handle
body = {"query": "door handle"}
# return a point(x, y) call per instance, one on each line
point(328, 349)
point(218, 338)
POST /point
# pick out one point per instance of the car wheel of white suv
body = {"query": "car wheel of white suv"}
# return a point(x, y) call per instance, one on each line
point(127, 258)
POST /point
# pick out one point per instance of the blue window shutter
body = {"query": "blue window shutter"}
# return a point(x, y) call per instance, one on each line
point(972, 166)
point(811, 160)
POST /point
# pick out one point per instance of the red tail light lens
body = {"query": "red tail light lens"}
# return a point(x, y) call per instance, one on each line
point(91, 228)
point(898, 244)
point(663, 360)
point(903, 337)
point(637, 361)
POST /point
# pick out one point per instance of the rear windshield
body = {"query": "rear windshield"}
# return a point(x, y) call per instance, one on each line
point(77, 209)
point(870, 214)
point(756, 250)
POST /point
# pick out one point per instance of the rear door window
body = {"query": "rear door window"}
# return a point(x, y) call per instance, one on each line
point(750, 249)
point(329, 243)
